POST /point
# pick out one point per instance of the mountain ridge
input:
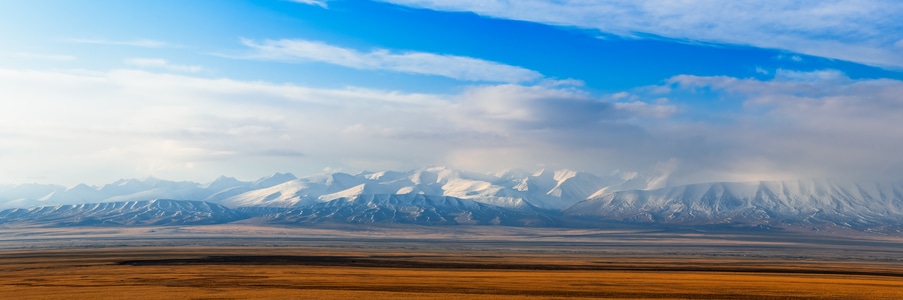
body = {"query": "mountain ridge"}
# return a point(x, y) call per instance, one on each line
point(554, 197)
point(547, 189)
point(133, 213)
point(409, 209)
point(845, 204)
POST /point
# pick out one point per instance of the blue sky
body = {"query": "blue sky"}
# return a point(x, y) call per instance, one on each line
point(100, 90)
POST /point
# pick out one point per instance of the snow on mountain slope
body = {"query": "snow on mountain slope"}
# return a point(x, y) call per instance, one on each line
point(513, 189)
point(545, 189)
point(223, 183)
point(408, 209)
point(274, 179)
point(296, 192)
point(135, 213)
point(154, 188)
point(846, 204)
point(573, 187)
point(31, 195)
point(445, 196)
point(287, 194)
point(225, 187)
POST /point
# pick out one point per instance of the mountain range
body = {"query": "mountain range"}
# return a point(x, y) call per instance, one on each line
point(443, 196)
point(513, 189)
point(133, 213)
point(809, 202)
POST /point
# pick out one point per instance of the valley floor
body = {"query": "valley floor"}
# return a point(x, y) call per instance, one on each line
point(238, 262)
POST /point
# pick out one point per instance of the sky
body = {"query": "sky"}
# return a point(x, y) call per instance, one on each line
point(703, 90)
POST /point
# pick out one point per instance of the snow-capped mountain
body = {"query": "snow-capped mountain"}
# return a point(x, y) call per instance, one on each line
point(409, 209)
point(545, 189)
point(439, 195)
point(844, 204)
point(32, 195)
point(513, 189)
point(135, 213)
point(365, 209)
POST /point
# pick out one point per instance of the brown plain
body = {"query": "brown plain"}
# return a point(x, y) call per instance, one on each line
point(348, 273)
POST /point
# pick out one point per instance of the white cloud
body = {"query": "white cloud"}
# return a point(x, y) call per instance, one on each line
point(511, 107)
point(320, 3)
point(160, 63)
point(100, 126)
point(70, 127)
point(451, 66)
point(45, 56)
point(809, 124)
point(144, 43)
point(659, 110)
point(856, 30)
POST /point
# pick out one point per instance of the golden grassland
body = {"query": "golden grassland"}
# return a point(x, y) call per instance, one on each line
point(348, 273)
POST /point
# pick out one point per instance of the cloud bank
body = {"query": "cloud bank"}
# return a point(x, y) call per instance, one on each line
point(78, 125)
point(866, 31)
point(798, 124)
point(65, 126)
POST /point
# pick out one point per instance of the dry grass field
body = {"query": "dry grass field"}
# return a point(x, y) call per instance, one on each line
point(247, 262)
point(349, 273)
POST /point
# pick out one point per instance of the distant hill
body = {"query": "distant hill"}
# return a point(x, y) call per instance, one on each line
point(133, 213)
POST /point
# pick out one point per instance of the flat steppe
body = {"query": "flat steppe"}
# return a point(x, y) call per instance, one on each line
point(409, 262)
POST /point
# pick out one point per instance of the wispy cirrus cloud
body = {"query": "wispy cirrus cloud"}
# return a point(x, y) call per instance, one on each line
point(143, 43)
point(45, 56)
point(863, 31)
point(422, 63)
point(163, 64)
point(320, 3)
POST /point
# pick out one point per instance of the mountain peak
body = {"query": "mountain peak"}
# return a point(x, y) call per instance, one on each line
point(81, 187)
point(274, 179)
point(223, 182)
point(151, 180)
point(125, 182)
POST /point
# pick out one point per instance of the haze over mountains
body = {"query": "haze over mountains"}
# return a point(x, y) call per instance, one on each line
point(442, 196)
point(142, 213)
point(513, 189)
point(814, 202)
